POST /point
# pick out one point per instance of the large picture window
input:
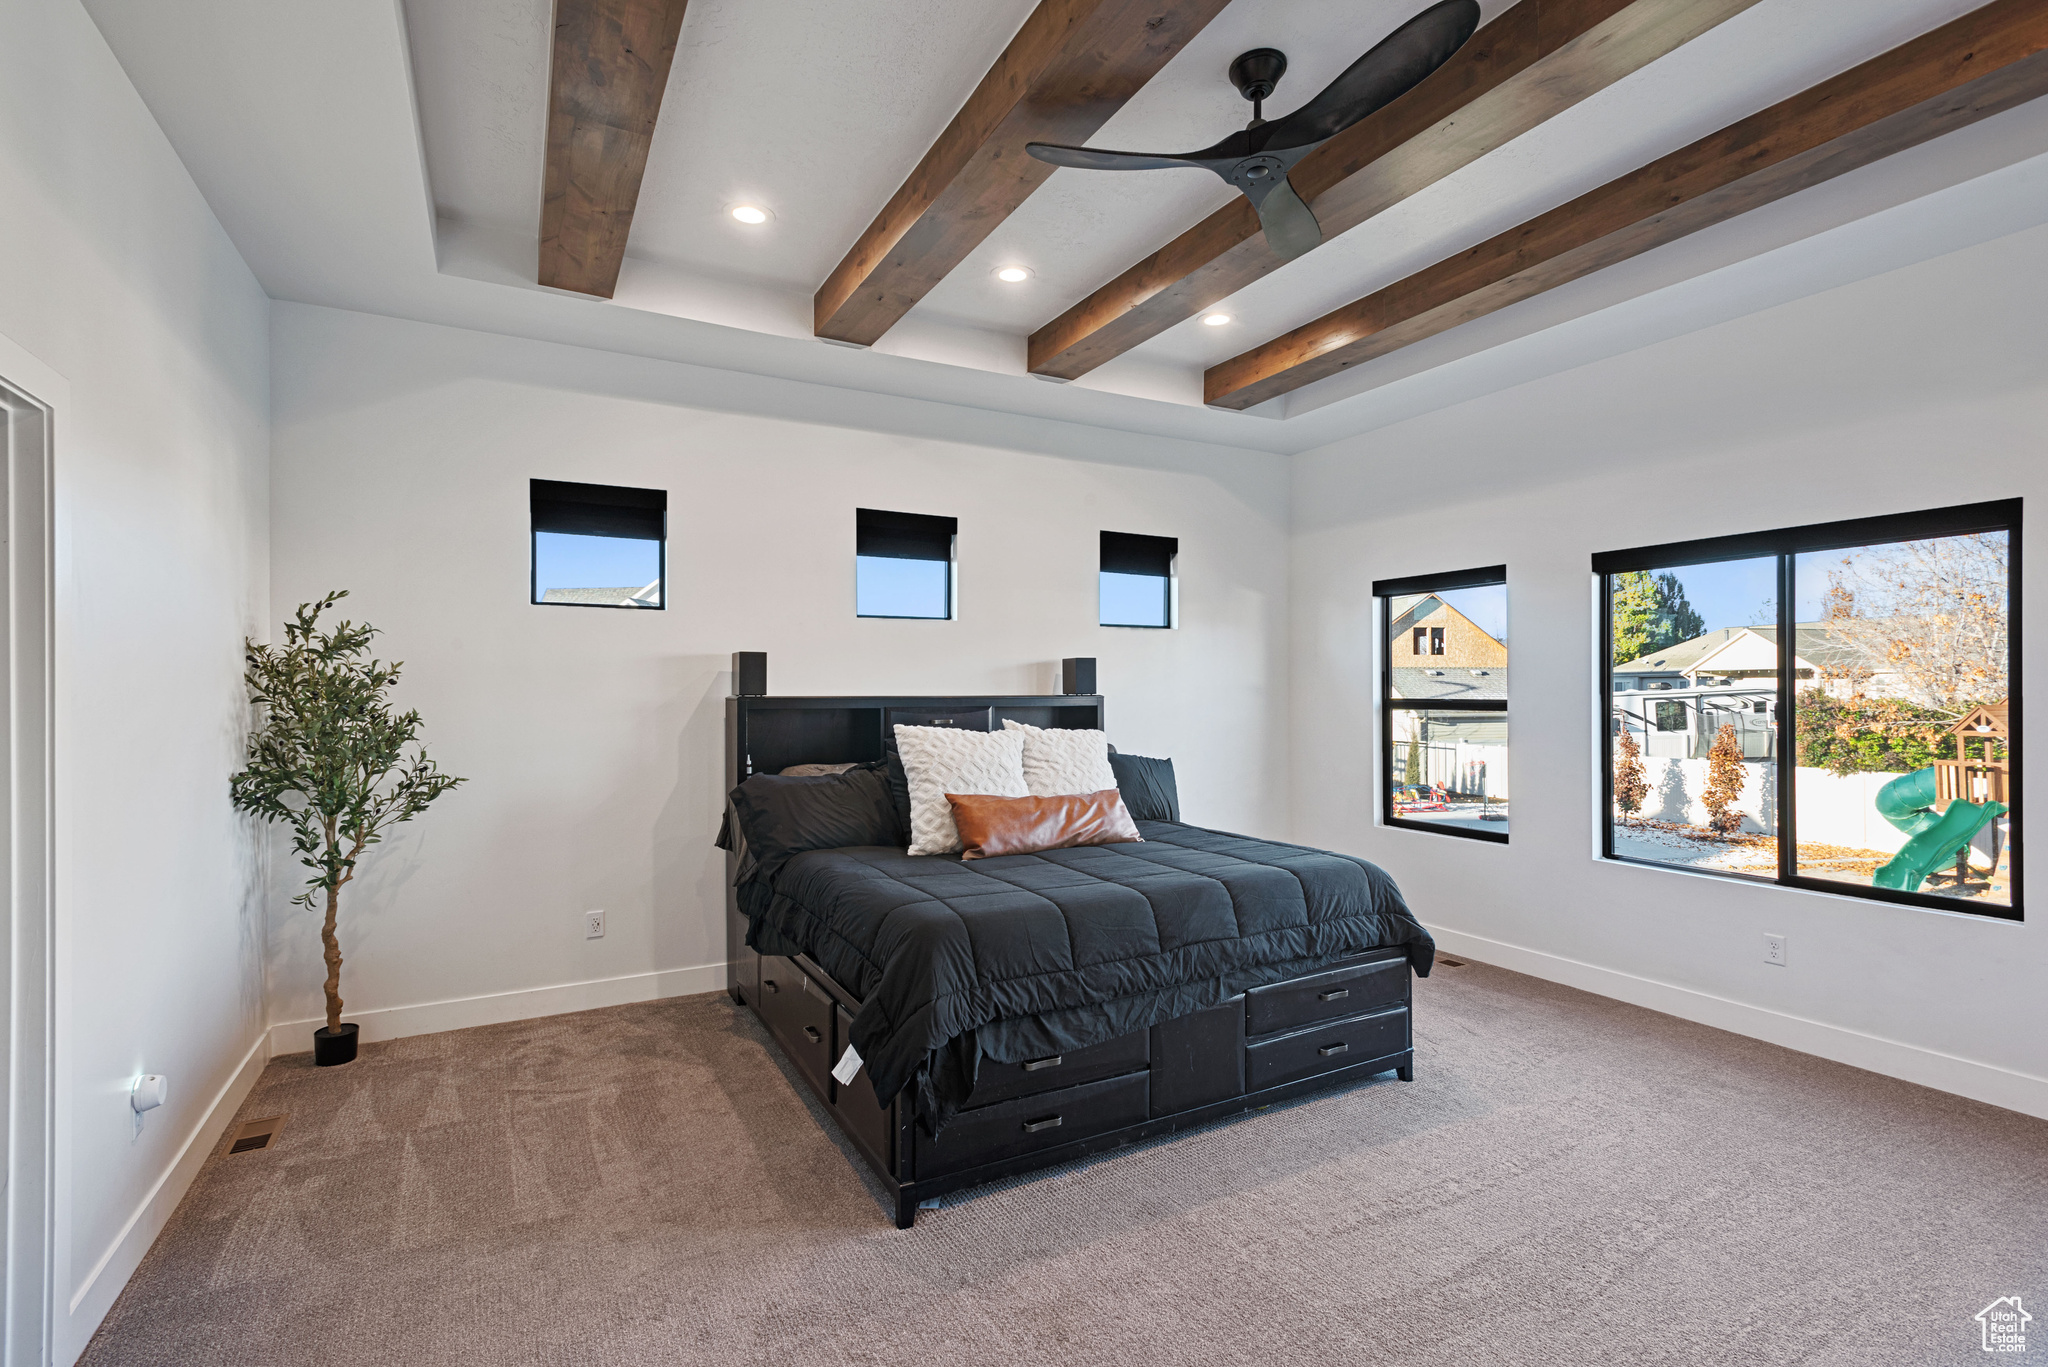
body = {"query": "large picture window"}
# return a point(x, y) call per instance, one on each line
point(598, 545)
point(1833, 707)
point(903, 564)
point(1444, 702)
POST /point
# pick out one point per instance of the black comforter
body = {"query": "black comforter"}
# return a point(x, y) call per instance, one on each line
point(1021, 956)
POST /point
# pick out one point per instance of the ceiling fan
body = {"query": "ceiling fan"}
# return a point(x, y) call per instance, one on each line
point(1257, 159)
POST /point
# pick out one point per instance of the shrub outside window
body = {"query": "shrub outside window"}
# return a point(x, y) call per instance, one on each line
point(597, 545)
point(1444, 702)
point(1833, 707)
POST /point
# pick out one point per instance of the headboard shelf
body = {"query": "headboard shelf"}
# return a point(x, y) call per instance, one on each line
point(765, 735)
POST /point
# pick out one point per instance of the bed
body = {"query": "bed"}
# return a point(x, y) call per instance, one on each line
point(1017, 1012)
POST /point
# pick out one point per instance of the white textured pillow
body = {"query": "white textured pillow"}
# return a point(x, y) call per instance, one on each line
point(942, 759)
point(1058, 762)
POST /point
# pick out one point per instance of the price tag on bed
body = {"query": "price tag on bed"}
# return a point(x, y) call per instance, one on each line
point(848, 1065)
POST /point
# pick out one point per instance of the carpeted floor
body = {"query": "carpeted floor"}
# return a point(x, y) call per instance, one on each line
point(1568, 1181)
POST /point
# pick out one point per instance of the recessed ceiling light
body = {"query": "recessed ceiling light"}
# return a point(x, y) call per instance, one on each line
point(748, 213)
point(1216, 320)
point(1013, 275)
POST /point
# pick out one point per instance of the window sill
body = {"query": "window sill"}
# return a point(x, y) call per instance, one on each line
point(1455, 832)
point(1914, 901)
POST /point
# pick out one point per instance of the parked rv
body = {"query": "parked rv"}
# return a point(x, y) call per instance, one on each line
point(1678, 719)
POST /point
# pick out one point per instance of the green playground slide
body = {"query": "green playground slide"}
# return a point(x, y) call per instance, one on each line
point(1936, 837)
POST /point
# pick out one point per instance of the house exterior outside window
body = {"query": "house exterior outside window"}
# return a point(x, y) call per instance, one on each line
point(1444, 703)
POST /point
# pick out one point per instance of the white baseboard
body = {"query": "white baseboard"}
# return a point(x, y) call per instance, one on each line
point(397, 1022)
point(95, 1295)
point(1985, 1082)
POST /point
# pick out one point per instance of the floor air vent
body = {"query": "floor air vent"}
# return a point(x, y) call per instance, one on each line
point(1449, 962)
point(252, 1135)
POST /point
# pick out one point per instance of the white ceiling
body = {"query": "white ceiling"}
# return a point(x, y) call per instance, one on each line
point(368, 156)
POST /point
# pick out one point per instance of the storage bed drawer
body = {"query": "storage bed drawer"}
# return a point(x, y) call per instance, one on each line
point(996, 1082)
point(1325, 1048)
point(1028, 1124)
point(1347, 989)
point(800, 1015)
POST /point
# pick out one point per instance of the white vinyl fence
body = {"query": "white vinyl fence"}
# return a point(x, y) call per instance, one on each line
point(1462, 768)
point(1832, 810)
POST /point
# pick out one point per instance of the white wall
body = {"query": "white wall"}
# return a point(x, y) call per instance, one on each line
point(593, 739)
point(1915, 389)
point(115, 275)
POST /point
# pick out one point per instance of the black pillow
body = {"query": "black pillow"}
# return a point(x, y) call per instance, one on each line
point(1147, 787)
point(781, 818)
point(899, 787)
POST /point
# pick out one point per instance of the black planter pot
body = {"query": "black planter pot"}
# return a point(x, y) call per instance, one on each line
point(334, 1046)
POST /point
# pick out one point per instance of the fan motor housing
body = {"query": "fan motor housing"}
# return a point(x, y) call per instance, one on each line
point(1255, 73)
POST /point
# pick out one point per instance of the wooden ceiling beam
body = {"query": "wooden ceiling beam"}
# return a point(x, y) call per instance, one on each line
point(1989, 60)
point(1072, 65)
point(611, 63)
point(1533, 61)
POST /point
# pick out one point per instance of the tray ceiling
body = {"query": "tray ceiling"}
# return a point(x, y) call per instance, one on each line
point(817, 111)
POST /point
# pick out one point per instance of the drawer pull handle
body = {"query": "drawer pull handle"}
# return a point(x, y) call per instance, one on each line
point(770, 984)
point(1051, 1122)
point(1330, 1049)
point(1038, 1063)
point(811, 1033)
point(1334, 994)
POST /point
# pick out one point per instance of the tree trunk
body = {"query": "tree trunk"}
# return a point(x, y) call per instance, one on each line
point(333, 956)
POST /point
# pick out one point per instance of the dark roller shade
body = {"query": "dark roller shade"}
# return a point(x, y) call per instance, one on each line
point(599, 510)
point(903, 536)
point(1440, 583)
point(1963, 520)
point(1129, 553)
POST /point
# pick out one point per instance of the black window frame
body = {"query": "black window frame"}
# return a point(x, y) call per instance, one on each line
point(1787, 545)
point(580, 509)
point(1138, 548)
point(881, 526)
point(1385, 591)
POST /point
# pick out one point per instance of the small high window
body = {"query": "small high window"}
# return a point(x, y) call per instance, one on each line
point(598, 545)
point(1137, 580)
point(903, 564)
point(1444, 717)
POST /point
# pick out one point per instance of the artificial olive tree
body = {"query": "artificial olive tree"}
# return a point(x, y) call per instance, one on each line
point(329, 757)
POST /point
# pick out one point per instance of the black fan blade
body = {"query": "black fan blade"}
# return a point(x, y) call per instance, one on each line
point(1256, 160)
point(1396, 64)
point(1096, 159)
point(1289, 224)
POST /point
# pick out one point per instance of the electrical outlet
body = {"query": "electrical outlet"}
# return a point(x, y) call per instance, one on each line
point(593, 925)
point(1774, 950)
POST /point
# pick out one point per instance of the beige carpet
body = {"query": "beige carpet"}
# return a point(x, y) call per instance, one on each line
point(1569, 1181)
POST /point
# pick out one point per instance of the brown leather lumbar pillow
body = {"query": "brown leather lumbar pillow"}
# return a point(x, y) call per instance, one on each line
point(990, 826)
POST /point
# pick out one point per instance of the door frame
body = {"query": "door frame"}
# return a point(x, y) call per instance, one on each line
point(30, 397)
